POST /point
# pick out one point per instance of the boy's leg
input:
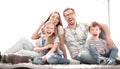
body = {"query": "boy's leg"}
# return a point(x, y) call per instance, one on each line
point(96, 55)
point(112, 55)
point(19, 45)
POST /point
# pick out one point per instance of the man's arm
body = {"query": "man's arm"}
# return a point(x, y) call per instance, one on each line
point(106, 30)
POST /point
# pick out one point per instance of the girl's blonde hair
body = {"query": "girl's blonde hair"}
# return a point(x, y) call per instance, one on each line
point(50, 39)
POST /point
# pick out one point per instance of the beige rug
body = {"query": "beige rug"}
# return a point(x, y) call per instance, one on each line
point(78, 66)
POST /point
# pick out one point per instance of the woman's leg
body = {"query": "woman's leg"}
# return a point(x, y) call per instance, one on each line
point(22, 44)
point(32, 54)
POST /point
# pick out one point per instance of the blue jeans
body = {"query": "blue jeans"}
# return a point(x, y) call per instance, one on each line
point(53, 59)
point(112, 53)
point(86, 58)
point(98, 57)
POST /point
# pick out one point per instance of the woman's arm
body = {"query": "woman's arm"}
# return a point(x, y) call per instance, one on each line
point(37, 33)
point(61, 32)
point(106, 30)
point(62, 46)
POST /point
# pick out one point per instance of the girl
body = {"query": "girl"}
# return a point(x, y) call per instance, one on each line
point(48, 45)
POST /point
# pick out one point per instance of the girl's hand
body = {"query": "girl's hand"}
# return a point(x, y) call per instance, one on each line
point(37, 50)
point(44, 59)
point(50, 45)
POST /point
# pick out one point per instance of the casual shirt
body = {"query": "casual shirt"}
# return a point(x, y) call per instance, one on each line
point(75, 39)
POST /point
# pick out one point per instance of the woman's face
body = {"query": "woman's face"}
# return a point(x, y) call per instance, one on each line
point(49, 29)
point(55, 18)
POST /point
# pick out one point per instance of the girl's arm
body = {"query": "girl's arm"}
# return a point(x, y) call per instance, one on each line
point(37, 33)
point(53, 49)
point(38, 48)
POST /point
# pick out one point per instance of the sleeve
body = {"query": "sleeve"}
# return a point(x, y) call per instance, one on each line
point(57, 40)
point(87, 44)
point(60, 30)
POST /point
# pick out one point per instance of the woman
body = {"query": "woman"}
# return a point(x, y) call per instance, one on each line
point(25, 47)
point(56, 19)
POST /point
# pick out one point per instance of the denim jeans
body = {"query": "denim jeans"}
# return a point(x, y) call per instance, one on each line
point(22, 47)
point(112, 53)
point(98, 57)
point(55, 58)
point(86, 58)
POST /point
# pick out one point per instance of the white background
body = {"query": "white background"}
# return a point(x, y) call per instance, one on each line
point(20, 18)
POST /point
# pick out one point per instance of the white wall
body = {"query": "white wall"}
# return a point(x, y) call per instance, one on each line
point(20, 18)
point(115, 21)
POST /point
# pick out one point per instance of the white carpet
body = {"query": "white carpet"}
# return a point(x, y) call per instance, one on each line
point(79, 66)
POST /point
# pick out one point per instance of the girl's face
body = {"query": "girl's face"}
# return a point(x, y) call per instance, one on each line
point(54, 18)
point(95, 31)
point(49, 29)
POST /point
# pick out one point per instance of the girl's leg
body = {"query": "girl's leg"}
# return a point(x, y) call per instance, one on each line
point(57, 59)
point(38, 60)
point(22, 44)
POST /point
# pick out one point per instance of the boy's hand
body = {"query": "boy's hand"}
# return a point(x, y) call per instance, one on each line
point(44, 58)
point(100, 52)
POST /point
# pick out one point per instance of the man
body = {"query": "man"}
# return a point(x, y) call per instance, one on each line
point(76, 35)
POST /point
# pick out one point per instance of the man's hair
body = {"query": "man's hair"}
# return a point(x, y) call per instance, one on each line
point(94, 24)
point(68, 9)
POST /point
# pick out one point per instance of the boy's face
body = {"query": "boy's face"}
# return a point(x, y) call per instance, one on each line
point(95, 31)
point(49, 29)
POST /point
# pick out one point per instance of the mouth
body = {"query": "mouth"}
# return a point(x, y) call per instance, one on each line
point(48, 32)
point(94, 34)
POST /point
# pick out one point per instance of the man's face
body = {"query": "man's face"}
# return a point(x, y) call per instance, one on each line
point(70, 17)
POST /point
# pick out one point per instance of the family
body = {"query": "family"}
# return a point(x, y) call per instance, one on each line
point(52, 38)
